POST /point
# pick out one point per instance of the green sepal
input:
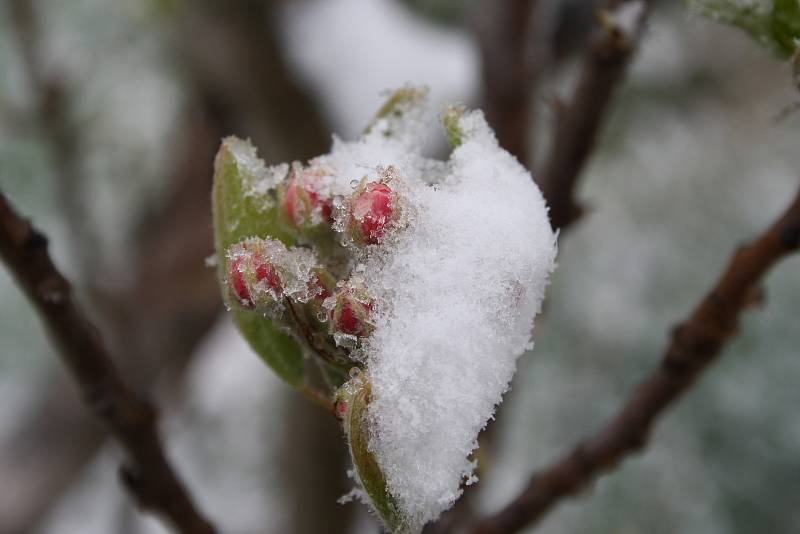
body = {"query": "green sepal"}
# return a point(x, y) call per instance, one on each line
point(241, 210)
point(393, 115)
point(451, 122)
point(355, 395)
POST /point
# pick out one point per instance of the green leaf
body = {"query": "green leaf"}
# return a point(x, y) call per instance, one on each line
point(276, 347)
point(241, 208)
point(244, 206)
point(355, 394)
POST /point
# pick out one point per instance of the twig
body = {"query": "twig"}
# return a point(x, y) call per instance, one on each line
point(695, 344)
point(155, 324)
point(62, 135)
point(151, 325)
point(131, 420)
point(609, 51)
point(514, 47)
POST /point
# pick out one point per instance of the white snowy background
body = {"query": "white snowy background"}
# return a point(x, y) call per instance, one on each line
point(690, 165)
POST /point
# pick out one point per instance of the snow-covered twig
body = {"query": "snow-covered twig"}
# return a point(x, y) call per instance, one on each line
point(609, 51)
point(695, 344)
point(131, 420)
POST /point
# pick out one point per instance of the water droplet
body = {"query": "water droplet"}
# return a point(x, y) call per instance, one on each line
point(354, 183)
point(322, 316)
point(354, 372)
point(347, 341)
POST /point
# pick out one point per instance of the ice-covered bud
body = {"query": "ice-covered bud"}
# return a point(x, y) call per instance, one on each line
point(372, 209)
point(351, 311)
point(304, 201)
point(262, 272)
point(250, 273)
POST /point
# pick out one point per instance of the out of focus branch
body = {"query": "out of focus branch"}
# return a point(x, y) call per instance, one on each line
point(514, 44)
point(695, 344)
point(153, 325)
point(578, 122)
point(239, 82)
point(131, 420)
point(51, 117)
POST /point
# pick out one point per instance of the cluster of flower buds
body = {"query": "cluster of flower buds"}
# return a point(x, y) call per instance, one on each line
point(262, 273)
point(290, 284)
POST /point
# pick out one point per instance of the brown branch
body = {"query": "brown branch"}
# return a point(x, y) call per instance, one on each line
point(154, 323)
point(695, 344)
point(577, 125)
point(131, 420)
point(51, 115)
point(513, 48)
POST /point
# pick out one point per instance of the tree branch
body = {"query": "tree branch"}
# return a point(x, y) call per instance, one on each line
point(131, 420)
point(514, 49)
point(695, 344)
point(609, 51)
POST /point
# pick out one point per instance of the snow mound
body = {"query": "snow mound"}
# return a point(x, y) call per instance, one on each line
point(456, 284)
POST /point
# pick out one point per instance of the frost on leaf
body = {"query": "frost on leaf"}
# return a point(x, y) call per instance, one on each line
point(425, 282)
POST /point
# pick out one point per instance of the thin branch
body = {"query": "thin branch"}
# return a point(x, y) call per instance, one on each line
point(62, 135)
point(239, 82)
point(131, 420)
point(695, 344)
point(609, 51)
point(514, 47)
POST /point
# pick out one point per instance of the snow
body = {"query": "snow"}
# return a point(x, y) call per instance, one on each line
point(260, 178)
point(459, 291)
point(457, 283)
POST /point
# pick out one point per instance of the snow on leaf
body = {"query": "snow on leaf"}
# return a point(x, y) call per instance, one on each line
point(456, 295)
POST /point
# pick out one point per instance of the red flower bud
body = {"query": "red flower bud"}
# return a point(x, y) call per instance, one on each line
point(249, 272)
point(350, 314)
point(303, 202)
point(371, 210)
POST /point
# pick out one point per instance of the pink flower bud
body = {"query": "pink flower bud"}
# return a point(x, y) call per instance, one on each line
point(371, 210)
point(350, 314)
point(303, 202)
point(246, 270)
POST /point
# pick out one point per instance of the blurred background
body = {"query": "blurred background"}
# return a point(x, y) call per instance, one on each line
point(110, 115)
